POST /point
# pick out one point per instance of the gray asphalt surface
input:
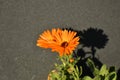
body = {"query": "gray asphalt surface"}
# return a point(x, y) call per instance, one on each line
point(21, 22)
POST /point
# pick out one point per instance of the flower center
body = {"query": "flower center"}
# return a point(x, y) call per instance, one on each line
point(64, 44)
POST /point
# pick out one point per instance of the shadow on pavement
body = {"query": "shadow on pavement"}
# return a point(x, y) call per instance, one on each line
point(93, 39)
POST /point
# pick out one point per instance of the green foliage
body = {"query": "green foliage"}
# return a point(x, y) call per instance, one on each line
point(67, 70)
point(103, 74)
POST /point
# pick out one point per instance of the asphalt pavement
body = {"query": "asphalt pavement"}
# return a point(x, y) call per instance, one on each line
point(21, 22)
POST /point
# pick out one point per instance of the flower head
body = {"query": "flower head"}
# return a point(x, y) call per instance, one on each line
point(66, 42)
point(61, 41)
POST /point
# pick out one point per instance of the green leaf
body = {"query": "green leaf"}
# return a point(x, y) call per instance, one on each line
point(103, 70)
point(98, 77)
point(96, 72)
point(80, 71)
point(91, 64)
point(87, 78)
point(112, 76)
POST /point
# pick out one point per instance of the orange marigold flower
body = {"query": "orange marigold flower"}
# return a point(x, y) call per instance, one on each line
point(61, 41)
point(65, 43)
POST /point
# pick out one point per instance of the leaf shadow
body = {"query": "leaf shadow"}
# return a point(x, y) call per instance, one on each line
point(118, 74)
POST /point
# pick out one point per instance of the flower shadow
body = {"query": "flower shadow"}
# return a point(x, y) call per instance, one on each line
point(93, 39)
